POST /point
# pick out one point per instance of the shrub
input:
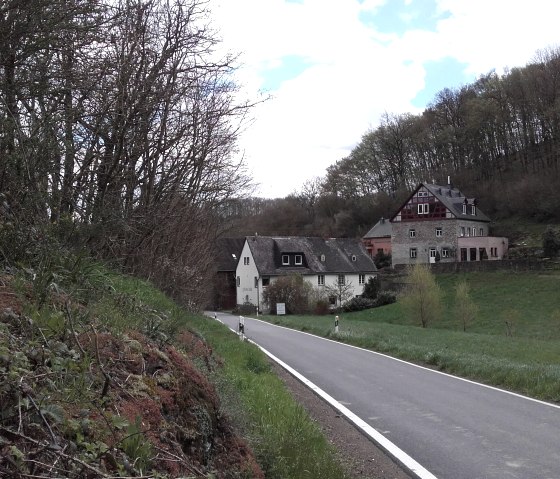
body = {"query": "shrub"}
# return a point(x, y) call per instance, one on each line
point(291, 290)
point(382, 260)
point(385, 297)
point(371, 288)
point(358, 304)
point(551, 242)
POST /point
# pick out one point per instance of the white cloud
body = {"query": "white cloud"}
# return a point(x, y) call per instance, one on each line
point(356, 73)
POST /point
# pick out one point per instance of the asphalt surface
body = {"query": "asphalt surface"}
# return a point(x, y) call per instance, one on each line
point(454, 428)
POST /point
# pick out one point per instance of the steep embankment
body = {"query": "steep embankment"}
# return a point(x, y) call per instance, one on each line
point(80, 400)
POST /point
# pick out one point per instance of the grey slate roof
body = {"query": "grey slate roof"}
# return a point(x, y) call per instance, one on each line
point(382, 229)
point(338, 252)
point(228, 251)
point(453, 199)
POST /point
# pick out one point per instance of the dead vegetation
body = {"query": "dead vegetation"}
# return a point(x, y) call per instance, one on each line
point(80, 401)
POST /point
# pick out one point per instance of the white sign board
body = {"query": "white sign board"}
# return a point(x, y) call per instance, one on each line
point(280, 309)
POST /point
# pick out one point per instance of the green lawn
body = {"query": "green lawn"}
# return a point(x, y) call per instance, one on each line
point(527, 362)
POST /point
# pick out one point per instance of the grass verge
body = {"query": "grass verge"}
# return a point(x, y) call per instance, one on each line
point(287, 443)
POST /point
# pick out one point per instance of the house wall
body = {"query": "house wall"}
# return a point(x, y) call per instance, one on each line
point(372, 245)
point(499, 244)
point(247, 288)
point(424, 239)
point(245, 278)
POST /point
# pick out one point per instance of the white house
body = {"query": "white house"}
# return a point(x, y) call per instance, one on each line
point(321, 262)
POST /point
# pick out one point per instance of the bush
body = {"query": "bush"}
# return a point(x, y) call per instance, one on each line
point(322, 307)
point(382, 260)
point(385, 297)
point(551, 242)
point(245, 309)
point(291, 290)
point(371, 288)
point(358, 304)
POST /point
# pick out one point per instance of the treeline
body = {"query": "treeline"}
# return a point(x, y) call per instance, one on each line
point(118, 124)
point(498, 138)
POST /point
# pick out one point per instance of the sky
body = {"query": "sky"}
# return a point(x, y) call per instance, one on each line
point(331, 68)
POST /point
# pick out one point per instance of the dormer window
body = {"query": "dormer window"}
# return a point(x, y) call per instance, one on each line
point(353, 257)
point(299, 260)
point(323, 258)
point(473, 210)
point(285, 260)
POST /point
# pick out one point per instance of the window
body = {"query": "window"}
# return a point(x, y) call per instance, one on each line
point(341, 279)
point(481, 231)
point(464, 208)
point(469, 231)
point(422, 193)
point(285, 259)
point(265, 281)
point(323, 258)
point(299, 259)
point(256, 282)
point(238, 281)
point(246, 260)
point(423, 208)
point(321, 280)
point(412, 233)
point(353, 257)
point(474, 231)
point(362, 279)
point(473, 210)
point(439, 232)
point(444, 252)
point(413, 252)
point(432, 252)
point(462, 231)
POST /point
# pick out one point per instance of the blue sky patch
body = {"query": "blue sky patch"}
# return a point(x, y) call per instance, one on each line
point(446, 73)
point(396, 17)
point(292, 66)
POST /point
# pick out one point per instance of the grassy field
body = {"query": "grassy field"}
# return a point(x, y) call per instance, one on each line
point(524, 357)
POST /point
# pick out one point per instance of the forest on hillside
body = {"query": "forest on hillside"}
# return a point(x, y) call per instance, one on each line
point(119, 125)
point(497, 138)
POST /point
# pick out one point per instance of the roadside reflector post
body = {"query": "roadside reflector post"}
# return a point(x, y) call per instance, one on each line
point(241, 328)
point(336, 324)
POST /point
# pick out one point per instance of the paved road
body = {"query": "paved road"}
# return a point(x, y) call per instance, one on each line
point(454, 428)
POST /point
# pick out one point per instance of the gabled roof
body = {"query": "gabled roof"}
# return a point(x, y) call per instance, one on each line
point(452, 199)
point(341, 255)
point(228, 251)
point(382, 229)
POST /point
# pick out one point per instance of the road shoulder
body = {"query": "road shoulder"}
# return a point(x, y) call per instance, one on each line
point(361, 457)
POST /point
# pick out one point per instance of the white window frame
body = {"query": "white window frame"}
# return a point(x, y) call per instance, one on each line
point(285, 260)
point(320, 280)
point(361, 279)
point(445, 252)
point(413, 253)
point(423, 208)
point(353, 257)
point(462, 231)
point(481, 231)
point(423, 193)
point(298, 260)
point(473, 210)
point(439, 232)
point(341, 280)
point(433, 252)
point(464, 208)
point(412, 233)
point(245, 260)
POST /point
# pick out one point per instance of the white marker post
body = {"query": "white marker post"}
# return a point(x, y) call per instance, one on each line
point(336, 324)
point(241, 328)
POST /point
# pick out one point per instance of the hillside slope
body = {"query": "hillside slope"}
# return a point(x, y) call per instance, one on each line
point(80, 400)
